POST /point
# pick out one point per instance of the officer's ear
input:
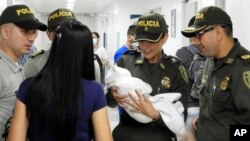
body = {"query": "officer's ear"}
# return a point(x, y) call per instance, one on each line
point(4, 30)
point(219, 33)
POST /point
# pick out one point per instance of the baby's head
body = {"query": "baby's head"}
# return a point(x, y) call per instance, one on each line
point(116, 72)
point(121, 79)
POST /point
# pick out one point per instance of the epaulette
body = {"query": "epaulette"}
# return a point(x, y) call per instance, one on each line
point(132, 52)
point(37, 53)
point(245, 56)
point(173, 59)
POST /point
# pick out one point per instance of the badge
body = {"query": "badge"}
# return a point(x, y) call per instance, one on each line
point(224, 83)
point(246, 78)
point(230, 61)
point(165, 82)
point(184, 73)
point(139, 61)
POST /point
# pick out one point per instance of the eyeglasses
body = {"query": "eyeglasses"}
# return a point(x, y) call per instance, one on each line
point(199, 34)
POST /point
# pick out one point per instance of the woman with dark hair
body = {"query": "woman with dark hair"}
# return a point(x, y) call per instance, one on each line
point(63, 102)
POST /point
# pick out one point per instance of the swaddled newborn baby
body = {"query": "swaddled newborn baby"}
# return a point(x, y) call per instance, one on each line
point(170, 110)
point(126, 84)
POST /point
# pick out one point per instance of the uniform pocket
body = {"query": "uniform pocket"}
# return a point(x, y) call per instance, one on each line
point(221, 96)
point(221, 104)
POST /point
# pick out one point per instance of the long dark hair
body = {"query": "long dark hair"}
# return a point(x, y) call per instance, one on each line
point(54, 95)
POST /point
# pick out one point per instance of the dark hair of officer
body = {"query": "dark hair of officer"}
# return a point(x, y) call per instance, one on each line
point(131, 30)
point(228, 30)
point(58, 84)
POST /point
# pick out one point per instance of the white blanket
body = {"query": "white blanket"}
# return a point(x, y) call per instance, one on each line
point(171, 113)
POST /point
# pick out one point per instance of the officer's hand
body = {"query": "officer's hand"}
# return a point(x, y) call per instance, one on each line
point(120, 99)
point(143, 105)
point(194, 124)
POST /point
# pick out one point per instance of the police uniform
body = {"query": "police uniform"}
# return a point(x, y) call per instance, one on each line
point(39, 59)
point(168, 75)
point(10, 72)
point(36, 63)
point(225, 84)
point(10, 78)
point(225, 98)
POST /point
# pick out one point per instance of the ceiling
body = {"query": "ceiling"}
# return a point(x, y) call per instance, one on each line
point(80, 6)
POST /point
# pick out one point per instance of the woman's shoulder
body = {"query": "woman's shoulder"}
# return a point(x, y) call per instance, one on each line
point(94, 91)
point(91, 84)
point(26, 82)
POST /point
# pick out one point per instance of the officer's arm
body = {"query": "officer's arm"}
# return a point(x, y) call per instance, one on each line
point(181, 84)
point(241, 96)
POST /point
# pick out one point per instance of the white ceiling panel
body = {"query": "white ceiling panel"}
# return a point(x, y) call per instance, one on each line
point(80, 6)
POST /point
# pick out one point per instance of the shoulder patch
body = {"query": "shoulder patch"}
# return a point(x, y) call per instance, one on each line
point(184, 73)
point(245, 58)
point(37, 53)
point(246, 78)
point(173, 59)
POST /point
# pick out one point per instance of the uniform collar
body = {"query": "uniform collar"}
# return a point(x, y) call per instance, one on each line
point(11, 64)
point(231, 56)
point(141, 60)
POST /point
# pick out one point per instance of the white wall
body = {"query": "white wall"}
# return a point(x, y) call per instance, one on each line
point(238, 10)
point(118, 23)
point(115, 19)
point(42, 41)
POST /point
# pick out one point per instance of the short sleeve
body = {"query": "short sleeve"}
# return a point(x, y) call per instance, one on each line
point(99, 99)
point(22, 91)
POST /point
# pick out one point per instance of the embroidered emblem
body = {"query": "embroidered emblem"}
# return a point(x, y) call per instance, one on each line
point(224, 83)
point(165, 82)
point(246, 78)
point(184, 73)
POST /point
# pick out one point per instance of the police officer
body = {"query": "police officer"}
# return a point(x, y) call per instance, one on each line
point(18, 31)
point(164, 73)
point(38, 59)
point(224, 99)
